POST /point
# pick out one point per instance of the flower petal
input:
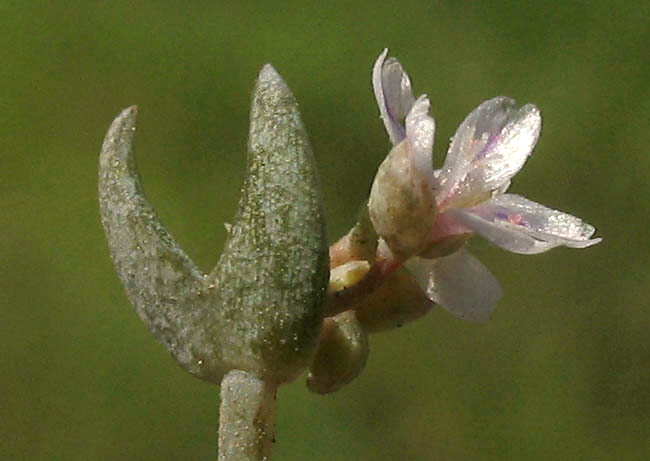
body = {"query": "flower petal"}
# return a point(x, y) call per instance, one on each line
point(393, 93)
point(459, 282)
point(523, 226)
point(420, 129)
point(505, 236)
point(489, 148)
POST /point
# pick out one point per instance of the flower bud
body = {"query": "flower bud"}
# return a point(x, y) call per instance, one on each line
point(341, 354)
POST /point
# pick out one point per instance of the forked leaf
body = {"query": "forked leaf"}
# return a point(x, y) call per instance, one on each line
point(261, 308)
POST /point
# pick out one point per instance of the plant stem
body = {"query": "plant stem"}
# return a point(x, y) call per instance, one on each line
point(246, 418)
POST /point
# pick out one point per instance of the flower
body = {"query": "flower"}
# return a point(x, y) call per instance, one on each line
point(468, 194)
point(401, 206)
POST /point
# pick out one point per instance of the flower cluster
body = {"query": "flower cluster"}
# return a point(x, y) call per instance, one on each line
point(466, 196)
point(407, 251)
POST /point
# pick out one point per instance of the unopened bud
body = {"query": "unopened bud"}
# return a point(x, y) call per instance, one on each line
point(341, 354)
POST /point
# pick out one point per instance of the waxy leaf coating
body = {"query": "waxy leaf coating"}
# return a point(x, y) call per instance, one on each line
point(261, 308)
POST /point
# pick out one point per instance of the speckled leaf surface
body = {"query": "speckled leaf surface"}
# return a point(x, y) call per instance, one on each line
point(260, 309)
point(273, 273)
point(161, 281)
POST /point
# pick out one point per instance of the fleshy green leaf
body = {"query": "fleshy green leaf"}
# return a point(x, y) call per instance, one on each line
point(161, 281)
point(261, 308)
point(273, 274)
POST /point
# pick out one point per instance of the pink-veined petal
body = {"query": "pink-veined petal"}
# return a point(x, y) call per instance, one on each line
point(459, 282)
point(523, 226)
point(392, 88)
point(420, 129)
point(507, 237)
point(490, 147)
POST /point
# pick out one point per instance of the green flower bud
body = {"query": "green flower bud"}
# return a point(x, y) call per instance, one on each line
point(341, 354)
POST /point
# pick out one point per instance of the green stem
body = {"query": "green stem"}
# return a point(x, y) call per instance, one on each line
point(246, 418)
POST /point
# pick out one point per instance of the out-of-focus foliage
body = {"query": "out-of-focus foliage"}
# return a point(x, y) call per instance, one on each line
point(562, 371)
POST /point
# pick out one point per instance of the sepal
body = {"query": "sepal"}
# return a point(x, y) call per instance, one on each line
point(399, 300)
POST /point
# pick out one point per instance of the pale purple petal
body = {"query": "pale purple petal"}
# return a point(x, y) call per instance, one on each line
point(489, 148)
point(420, 129)
point(394, 96)
point(459, 282)
point(507, 237)
point(523, 226)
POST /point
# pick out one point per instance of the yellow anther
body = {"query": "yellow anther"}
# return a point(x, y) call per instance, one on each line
point(347, 275)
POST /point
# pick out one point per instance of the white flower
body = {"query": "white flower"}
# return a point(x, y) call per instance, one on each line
point(489, 148)
point(401, 203)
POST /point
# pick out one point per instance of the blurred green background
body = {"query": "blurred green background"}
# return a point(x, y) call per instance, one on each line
point(561, 372)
